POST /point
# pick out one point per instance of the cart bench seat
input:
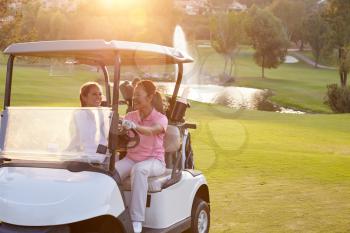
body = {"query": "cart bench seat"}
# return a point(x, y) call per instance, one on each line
point(155, 183)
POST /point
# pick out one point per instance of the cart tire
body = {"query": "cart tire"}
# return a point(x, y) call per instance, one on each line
point(98, 225)
point(200, 217)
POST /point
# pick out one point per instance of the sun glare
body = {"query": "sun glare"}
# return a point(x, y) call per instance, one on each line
point(119, 3)
point(108, 3)
point(138, 17)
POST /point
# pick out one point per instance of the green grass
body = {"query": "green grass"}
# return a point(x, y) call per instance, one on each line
point(34, 86)
point(267, 172)
point(271, 172)
point(326, 61)
point(297, 86)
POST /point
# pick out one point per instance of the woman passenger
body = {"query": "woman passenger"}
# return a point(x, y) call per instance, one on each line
point(88, 126)
point(90, 94)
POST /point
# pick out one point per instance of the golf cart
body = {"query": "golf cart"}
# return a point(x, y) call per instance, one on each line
point(46, 186)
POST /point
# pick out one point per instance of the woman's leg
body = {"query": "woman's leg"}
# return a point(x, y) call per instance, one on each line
point(139, 185)
point(124, 167)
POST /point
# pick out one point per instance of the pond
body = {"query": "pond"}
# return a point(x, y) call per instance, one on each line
point(234, 97)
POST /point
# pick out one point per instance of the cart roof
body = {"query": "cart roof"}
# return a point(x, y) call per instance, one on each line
point(100, 51)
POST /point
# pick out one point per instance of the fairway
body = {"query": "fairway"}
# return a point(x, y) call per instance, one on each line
point(34, 86)
point(267, 172)
point(181, 116)
point(271, 172)
point(298, 86)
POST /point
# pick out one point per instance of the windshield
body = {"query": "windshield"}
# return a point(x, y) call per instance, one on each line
point(54, 134)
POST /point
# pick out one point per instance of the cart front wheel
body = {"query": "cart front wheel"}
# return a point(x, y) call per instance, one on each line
point(200, 222)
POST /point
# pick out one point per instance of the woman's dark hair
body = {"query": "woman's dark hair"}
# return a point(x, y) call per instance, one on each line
point(135, 81)
point(85, 89)
point(151, 89)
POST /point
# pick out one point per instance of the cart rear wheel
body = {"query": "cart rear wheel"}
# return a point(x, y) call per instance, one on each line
point(102, 224)
point(200, 217)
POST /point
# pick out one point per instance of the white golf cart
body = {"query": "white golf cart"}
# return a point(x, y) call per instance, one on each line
point(48, 185)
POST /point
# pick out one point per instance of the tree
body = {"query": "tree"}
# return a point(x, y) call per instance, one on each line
point(142, 20)
point(57, 25)
point(29, 17)
point(226, 34)
point(42, 24)
point(337, 14)
point(17, 21)
point(10, 21)
point(292, 14)
point(267, 37)
point(317, 34)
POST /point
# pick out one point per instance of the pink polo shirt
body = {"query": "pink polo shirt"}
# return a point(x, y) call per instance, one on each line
point(149, 146)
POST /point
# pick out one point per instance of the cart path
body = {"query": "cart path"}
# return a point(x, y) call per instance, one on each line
point(307, 60)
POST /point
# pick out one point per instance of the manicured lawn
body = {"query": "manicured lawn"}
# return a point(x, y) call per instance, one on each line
point(267, 172)
point(298, 85)
point(271, 172)
point(327, 61)
point(34, 86)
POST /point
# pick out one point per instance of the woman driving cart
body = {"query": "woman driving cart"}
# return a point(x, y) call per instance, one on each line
point(147, 158)
point(78, 190)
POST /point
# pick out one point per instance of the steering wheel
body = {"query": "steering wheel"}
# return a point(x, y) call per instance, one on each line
point(127, 139)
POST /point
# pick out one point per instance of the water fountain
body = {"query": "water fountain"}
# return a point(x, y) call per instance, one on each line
point(190, 69)
point(194, 89)
point(209, 93)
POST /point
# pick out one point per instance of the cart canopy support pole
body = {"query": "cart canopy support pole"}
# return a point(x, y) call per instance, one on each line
point(107, 85)
point(113, 131)
point(8, 85)
point(176, 89)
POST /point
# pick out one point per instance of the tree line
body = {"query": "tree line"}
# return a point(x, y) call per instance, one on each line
point(148, 20)
point(269, 26)
point(273, 26)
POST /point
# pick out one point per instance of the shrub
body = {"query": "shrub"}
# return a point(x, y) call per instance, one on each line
point(338, 98)
point(261, 101)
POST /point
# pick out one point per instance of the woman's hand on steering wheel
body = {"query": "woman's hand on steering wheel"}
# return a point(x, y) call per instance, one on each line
point(128, 125)
point(128, 136)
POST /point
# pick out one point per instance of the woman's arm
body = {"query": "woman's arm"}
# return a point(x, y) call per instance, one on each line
point(149, 130)
point(155, 129)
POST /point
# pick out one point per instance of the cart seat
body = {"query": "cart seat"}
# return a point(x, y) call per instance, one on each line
point(172, 144)
point(155, 183)
point(172, 139)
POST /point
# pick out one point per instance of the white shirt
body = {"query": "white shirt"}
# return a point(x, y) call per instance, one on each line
point(88, 130)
